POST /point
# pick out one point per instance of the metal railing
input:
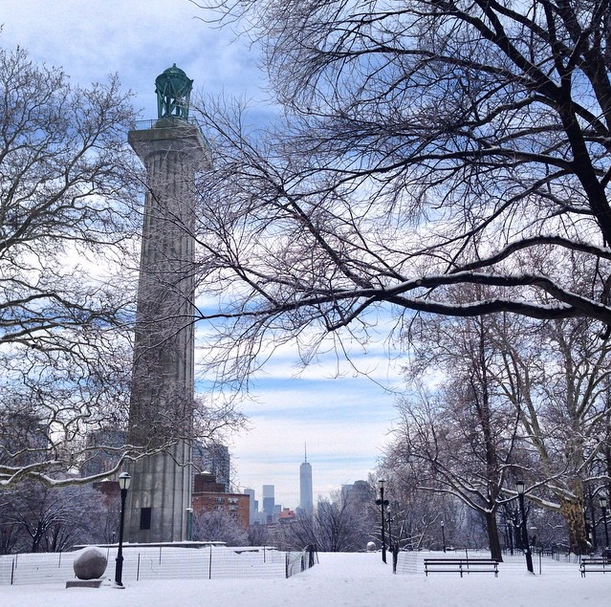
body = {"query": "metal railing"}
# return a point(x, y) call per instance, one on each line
point(164, 123)
point(412, 562)
point(296, 562)
point(142, 563)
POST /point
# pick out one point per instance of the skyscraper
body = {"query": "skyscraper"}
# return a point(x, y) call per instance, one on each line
point(306, 497)
point(269, 503)
point(172, 149)
point(215, 458)
point(254, 506)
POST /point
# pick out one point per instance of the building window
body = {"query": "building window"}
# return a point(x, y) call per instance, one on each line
point(145, 518)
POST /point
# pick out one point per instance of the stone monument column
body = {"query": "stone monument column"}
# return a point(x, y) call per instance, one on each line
point(172, 150)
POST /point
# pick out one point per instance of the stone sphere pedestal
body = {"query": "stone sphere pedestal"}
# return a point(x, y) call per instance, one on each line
point(89, 567)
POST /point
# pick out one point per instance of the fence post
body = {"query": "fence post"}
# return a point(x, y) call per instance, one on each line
point(287, 559)
point(540, 561)
point(12, 571)
point(210, 564)
point(313, 554)
point(138, 569)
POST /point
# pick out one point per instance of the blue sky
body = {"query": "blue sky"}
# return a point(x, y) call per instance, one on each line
point(342, 416)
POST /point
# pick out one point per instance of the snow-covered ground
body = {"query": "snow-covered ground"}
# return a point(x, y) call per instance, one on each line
point(340, 580)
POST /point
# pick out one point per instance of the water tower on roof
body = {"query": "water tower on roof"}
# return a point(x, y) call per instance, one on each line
point(172, 150)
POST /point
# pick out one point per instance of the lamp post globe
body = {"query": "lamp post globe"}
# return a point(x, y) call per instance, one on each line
point(124, 482)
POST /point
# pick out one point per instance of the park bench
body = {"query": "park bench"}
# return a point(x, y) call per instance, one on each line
point(594, 564)
point(439, 565)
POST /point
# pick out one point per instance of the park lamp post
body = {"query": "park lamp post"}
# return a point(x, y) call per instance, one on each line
point(520, 486)
point(124, 481)
point(443, 535)
point(602, 500)
point(382, 503)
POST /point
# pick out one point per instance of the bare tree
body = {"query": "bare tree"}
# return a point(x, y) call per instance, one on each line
point(557, 376)
point(456, 443)
point(66, 197)
point(67, 218)
point(258, 535)
point(419, 146)
point(554, 374)
point(42, 519)
point(297, 534)
point(339, 524)
point(416, 514)
point(219, 525)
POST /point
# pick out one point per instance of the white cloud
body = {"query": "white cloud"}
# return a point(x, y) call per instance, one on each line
point(138, 39)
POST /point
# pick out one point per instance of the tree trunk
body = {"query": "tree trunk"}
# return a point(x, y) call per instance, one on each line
point(493, 536)
point(572, 511)
point(37, 537)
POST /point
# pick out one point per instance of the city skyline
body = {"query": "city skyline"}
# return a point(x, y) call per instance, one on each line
point(267, 489)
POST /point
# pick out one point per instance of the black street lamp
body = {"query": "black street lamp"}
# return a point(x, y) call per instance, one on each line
point(602, 500)
point(443, 535)
point(389, 521)
point(124, 481)
point(382, 503)
point(525, 543)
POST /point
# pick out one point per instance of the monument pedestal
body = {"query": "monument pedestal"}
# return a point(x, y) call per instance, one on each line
point(84, 583)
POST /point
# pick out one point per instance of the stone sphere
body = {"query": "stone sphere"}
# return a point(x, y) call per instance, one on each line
point(90, 564)
point(371, 546)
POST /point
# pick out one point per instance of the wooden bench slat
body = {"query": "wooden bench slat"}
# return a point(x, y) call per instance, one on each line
point(600, 565)
point(454, 565)
point(484, 561)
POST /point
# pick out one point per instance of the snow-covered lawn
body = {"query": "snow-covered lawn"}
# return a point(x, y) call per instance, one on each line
point(340, 580)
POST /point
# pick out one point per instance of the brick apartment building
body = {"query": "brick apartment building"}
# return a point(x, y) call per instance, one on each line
point(208, 496)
